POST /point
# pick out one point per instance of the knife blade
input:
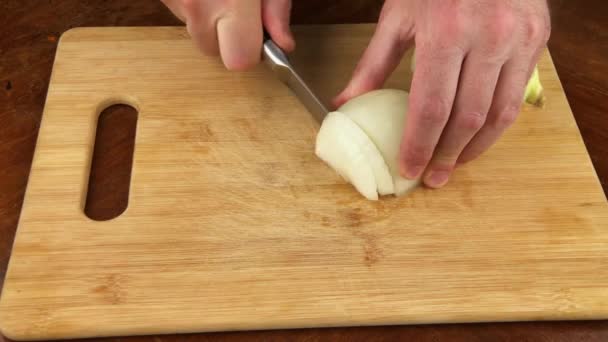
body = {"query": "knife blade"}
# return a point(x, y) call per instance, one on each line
point(276, 59)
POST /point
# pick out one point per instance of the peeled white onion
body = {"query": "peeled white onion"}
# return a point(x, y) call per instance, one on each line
point(365, 133)
point(349, 151)
point(381, 115)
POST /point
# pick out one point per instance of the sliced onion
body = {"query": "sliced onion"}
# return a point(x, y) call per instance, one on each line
point(381, 115)
point(343, 145)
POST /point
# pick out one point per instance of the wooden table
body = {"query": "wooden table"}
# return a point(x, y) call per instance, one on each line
point(28, 39)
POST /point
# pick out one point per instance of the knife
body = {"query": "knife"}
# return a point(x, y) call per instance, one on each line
point(276, 59)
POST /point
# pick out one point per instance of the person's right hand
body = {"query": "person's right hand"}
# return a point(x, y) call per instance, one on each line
point(233, 28)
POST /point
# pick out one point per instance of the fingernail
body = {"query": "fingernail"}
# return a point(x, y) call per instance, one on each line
point(411, 172)
point(436, 179)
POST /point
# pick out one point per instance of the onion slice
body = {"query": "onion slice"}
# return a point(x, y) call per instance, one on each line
point(345, 147)
point(381, 114)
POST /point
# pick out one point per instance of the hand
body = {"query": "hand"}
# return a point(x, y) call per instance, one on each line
point(473, 61)
point(233, 28)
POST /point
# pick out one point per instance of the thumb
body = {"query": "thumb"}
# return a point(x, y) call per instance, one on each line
point(276, 16)
point(380, 59)
point(237, 22)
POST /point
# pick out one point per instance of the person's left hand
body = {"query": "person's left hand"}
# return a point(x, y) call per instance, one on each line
point(473, 61)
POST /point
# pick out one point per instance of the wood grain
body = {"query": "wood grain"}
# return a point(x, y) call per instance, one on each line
point(27, 45)
point(234, 224)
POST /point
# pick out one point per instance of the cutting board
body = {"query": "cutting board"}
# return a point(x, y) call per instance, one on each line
point(233, 223)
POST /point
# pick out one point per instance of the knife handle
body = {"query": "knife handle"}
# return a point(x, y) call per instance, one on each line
point(276, 59)
point(273, 55)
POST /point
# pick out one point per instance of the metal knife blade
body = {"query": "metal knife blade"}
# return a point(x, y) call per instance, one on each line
point(278, 62)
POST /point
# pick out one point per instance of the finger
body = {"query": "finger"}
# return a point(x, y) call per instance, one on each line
point(379, 60)
point(176, 8)
point(276, 16)
point(200, 27)
point(473, 100)
point(431, 98)
point(239, 33)
point(505, 107)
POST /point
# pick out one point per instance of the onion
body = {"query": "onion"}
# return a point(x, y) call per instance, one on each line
point(534, 90)
point(349, 151)
point(360, 141)
point(381, 115)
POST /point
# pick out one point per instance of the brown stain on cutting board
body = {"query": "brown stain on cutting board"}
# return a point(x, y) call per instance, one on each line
point(357, 221)
point(353, 217)
point(248, 127)
point(368, 214)
point(326, 221)
point(268, 173)
point(205, 133)
point(372, 253)
point(369, 243)
point(111, 289)
point(564, 218)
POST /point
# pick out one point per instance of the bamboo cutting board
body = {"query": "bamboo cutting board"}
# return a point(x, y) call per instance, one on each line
point(233, 223)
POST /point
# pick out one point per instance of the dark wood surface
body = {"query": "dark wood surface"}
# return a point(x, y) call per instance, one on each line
point(29, 33)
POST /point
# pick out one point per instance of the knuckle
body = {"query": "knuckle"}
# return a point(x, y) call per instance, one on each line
point(433, 117)
point(434, 112)
point(450, 23)
point(537, 31)
point(499, 31)
point(451, 29)
point(470, 121)
point(547, 30)
point(507, 117)
point(502, 26)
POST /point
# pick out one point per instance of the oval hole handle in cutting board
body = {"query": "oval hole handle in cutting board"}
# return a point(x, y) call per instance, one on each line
point(116, 127)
